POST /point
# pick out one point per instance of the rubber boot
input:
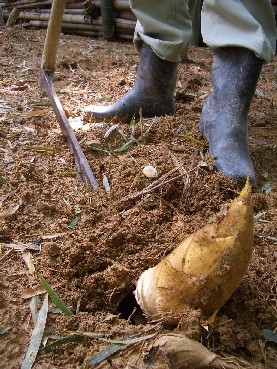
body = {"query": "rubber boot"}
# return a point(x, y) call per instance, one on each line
point(153, 90)
point(235, 74)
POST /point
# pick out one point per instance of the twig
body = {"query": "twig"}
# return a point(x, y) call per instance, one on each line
point(176, 162)
point(154, 187)
point(6, 254)
point(163, 177)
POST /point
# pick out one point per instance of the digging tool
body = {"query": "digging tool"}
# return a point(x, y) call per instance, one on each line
point(46, 83)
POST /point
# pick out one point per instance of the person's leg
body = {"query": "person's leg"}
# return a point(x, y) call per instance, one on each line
point(243, 35)
point(163, 30)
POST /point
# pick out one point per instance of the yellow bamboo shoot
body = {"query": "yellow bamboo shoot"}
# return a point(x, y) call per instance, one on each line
point(204, 270)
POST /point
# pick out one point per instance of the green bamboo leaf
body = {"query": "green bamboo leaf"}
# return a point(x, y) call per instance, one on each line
point(4, 329)
point(58, 302)
point(36, 337)
point(73, 223)
point(98, 149)
point(115, 346)
point(126, 146)
point(266, 188)
point(68, 339)
point(269, 335)
point(104, 354)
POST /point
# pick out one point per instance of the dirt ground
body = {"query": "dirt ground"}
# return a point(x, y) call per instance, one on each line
point(92, 245)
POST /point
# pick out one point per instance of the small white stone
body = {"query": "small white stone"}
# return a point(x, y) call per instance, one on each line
point(150, 171)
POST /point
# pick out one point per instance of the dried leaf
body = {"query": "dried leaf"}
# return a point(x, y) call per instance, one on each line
point(2, 180)
point(36, 337)
point(58, 302)
point(188, 137)
point(51, 236)
point(106, 184)
point(259, 92)
point(9, 212)
point(33, 113)
point(27, 257)
point(34, 303)
point(22, 247)
point(110, 130)
point(127, 341)
point(202, 164)
point(30, 292)
point(39, 148)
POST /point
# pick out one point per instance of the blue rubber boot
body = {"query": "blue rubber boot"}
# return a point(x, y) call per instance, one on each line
point(153, 91)
point(235, 74)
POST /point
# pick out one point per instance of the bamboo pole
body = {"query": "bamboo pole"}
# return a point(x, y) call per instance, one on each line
point(76, 18)
point(2, 23)
point(107, 19)
point(124, 14)
point(14, 15)
point(24, 2)
point(52, 36)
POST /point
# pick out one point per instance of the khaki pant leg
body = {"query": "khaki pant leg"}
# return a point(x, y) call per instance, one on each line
point(165, 25)
point(244, 23)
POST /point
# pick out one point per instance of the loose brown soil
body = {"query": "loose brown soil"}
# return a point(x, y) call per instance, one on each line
point(106, 239)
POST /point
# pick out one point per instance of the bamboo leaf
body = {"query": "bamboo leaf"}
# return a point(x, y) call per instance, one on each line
point(34, 113)
point(269, 335)
point(74, 222)
point(266, 188)
point(104, 354)
point(39, 148)
point(114, 347)
point(27, 257)
point(188, 137)
point(58, 302)
point(4, 329)
point(127, 341)
point(64, 340)
point(106, 184)
point(97, 149)
point(50, 236)
point(36, 337)
point(9, 212)
point(126, 146)
point(110, 130)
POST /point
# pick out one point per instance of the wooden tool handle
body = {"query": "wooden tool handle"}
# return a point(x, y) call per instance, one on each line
point(52, 36)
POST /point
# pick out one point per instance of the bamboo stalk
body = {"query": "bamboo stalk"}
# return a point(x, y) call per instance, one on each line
point(2, 23)
point(122, 36)
point(24, 2)
point(78, 26)
point(76, 18)
point(52, 36)
point(117, 4)
point(14, 15)
point(80, 29)
point(124, 14)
